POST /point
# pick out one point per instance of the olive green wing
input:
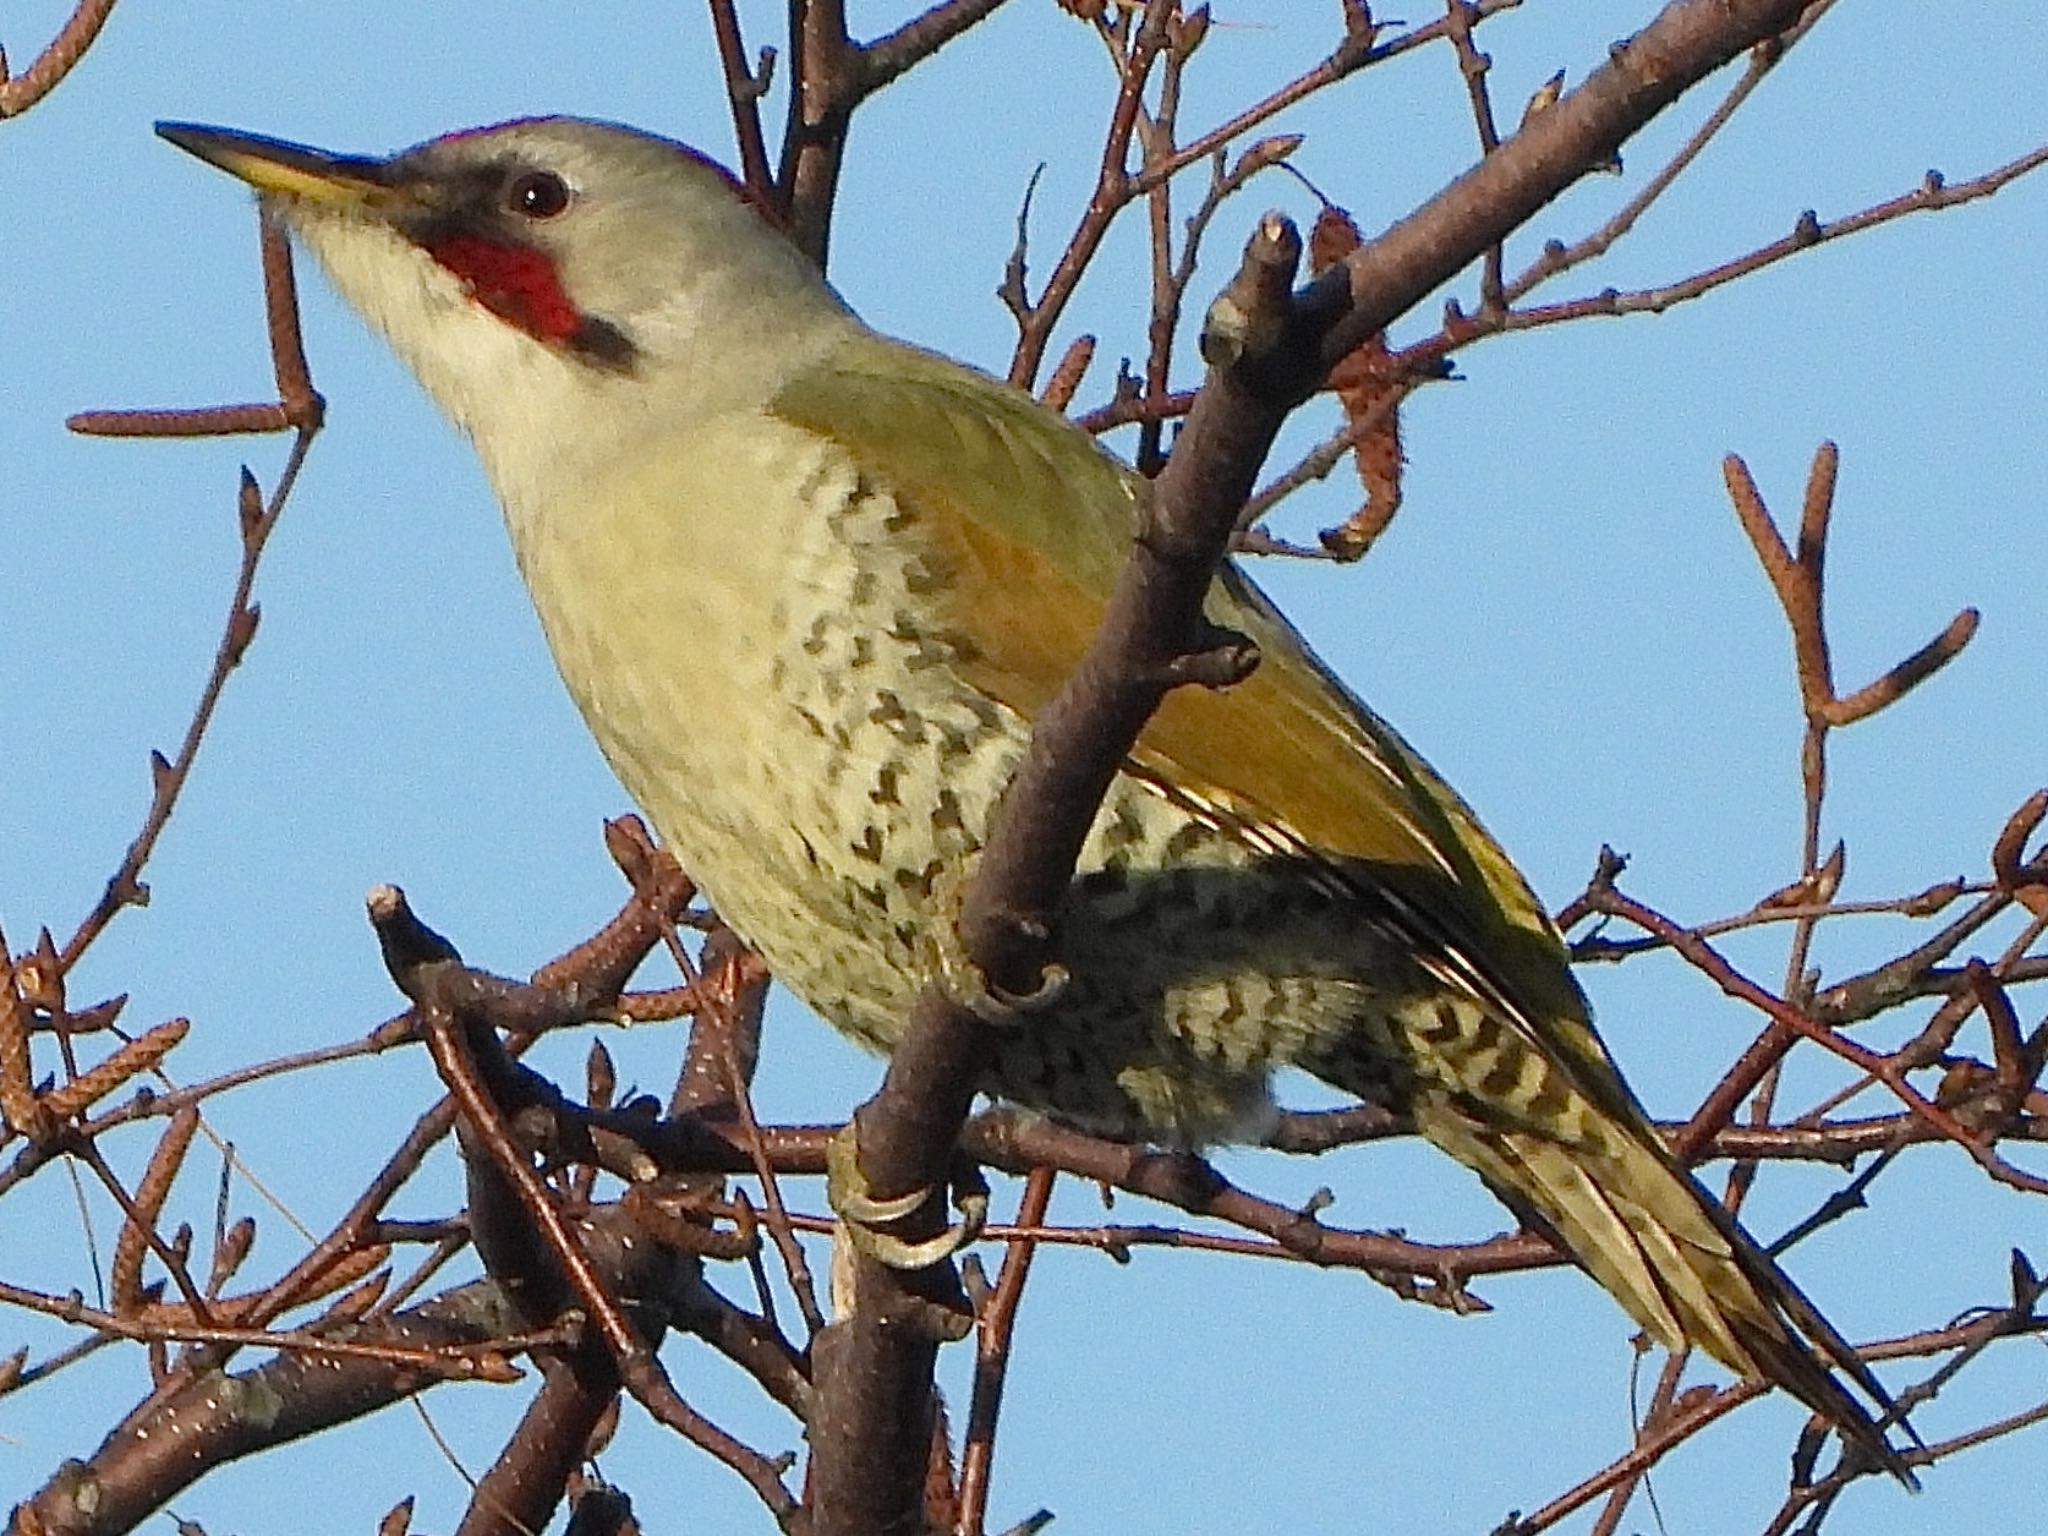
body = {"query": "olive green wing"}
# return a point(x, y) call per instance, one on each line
point(1032, 521)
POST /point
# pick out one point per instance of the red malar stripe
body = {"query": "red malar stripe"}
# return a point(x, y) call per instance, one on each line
point(514, 282)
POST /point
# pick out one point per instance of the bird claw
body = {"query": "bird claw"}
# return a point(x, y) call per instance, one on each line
point(1001, 1009)
point(901, 1253)
point(863, 1215)
point(969, 987)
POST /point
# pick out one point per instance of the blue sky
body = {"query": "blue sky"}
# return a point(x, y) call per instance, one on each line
point(1565, 618)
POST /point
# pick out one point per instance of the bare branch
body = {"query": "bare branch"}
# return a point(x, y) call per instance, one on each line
point(23, 91)
point(921, 37)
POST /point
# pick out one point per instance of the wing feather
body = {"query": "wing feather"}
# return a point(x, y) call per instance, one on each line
point(1032, 519)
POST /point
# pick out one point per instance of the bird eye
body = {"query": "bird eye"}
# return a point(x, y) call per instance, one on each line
point(537, 195)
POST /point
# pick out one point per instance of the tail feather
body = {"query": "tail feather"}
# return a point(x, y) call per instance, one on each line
point(1808, 1324)
point(1666, 1250)
point(1527, 1096)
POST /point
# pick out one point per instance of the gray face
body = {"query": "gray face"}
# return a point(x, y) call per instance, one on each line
point(578, 233)
point(499, 214)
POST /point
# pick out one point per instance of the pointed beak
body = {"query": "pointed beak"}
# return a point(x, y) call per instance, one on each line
point(277, 168)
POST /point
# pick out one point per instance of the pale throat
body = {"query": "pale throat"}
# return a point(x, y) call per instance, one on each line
point(539, 416)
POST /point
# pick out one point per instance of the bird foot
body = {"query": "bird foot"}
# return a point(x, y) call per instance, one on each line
point(967, 986)
point(864, 1217)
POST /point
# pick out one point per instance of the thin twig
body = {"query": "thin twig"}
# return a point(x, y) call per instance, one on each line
point(1706, 959)
point(995, 1330)
point(1113, 192)
point(1355, 52)
point(1934, 193)
point(743, 90)
point(919, 38)
point(1559, 257)
point(258, 520)
point(485, 1362)
point(23, 91)
point(723, 992)
point(1459, 16)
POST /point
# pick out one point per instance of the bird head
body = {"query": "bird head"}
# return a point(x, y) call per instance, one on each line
point(552, 281)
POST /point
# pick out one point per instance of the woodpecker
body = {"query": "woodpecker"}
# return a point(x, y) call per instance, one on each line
point(808, 585)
